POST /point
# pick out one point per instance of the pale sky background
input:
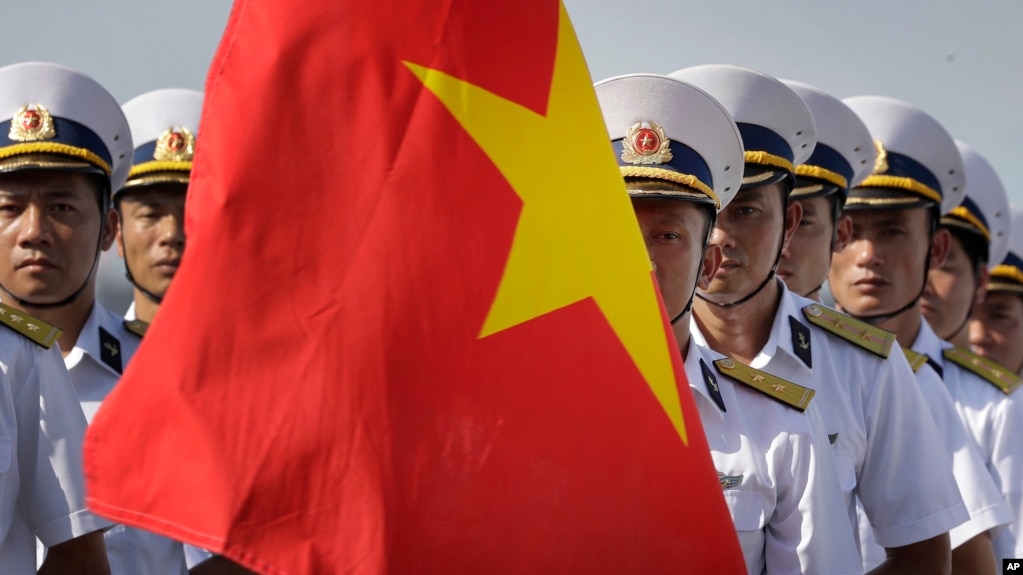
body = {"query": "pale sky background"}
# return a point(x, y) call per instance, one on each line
point(957, 59)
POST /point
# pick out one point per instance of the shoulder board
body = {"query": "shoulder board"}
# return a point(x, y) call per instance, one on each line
point(40, 332)
point(916, 360)
point(136, 326)
point(860, 333)
point(774, 387)
point(994, 373)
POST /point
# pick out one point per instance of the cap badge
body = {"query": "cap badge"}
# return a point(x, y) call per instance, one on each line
point(881, 162)
point(645, 143)
point(175, 145)
point(32, 125)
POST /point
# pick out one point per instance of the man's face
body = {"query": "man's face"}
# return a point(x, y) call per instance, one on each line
point(805, 262)
point(674, 232)
point(881, 268)
point(750, 231)
point(952, 290)
point(50, 226)
point(996, 329)
point(151, 234)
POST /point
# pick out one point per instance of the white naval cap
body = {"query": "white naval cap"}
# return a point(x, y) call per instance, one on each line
point(844, 155)
point(917, 160)
point(164, 124)
point(1008, 274)
point(668, 130)
point(777, 128)
point(985, 206)
point(61, 119)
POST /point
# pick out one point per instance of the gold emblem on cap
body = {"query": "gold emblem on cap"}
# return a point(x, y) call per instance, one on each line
point(32, 125)
point(881, 162)
point(175, 145)
point(645, 143)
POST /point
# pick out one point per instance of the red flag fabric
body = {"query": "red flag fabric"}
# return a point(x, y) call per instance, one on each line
point(415, 330)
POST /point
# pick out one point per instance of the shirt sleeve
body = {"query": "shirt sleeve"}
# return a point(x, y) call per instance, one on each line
point(1006, 460)
point(906, 483)
point(51, 427)
point(988, 509)
point(810, 530)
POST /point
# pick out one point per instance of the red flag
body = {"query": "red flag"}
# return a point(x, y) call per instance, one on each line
point(416, 329)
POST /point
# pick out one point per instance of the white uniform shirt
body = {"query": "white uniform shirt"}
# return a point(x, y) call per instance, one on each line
point(786, 506)
point(880, 423)
point(42, 486)
point(102, 351)
point(988, 510)
point(995, 421)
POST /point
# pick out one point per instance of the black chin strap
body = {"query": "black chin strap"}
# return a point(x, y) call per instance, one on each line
point(814, 290)
point(157, 299)
point(880, 318)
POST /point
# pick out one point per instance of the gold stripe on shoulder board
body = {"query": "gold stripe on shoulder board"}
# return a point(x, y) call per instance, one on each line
point(136, 326)
point(860, 333)
point(916, 360)
point(40, 332)
point(772, 386)
point(991, 371)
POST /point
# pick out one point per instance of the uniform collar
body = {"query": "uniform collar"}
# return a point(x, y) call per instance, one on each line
point(781, 330)
point(780, 338)
point(699, 361)
point(928, 343)
point(99, 339)
point(130, 314)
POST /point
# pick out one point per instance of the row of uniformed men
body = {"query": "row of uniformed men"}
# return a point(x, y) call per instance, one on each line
point(736, 178)
point(871, 439)
point(77, 174)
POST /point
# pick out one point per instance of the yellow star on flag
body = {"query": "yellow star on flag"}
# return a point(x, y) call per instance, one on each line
point(576, 236)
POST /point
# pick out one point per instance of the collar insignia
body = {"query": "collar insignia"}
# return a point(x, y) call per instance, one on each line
point(712, 386)
point(110, 350)
point(801, 341)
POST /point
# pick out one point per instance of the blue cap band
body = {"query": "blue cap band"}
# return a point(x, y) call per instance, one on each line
point(69, 133)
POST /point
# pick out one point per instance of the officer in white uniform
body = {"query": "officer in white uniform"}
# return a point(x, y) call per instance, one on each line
point(42, 487)
point(151, 205)
point(996, 328)
point(73, 146)
point(843, 158)
point(681, 153)
point(873, 413)
point(918, 176)
point(979, 232)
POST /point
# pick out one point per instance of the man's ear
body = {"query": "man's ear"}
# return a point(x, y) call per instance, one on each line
point(712, 259)
point(843, 232)
point(941, 242)
point(983, 277)
point(793, 214)
point(110, 228)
